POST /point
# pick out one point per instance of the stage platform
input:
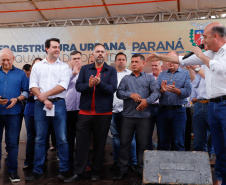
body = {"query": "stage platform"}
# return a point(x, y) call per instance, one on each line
point(52, 171)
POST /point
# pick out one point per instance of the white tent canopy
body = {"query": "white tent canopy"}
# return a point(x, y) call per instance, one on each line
point(22, 13)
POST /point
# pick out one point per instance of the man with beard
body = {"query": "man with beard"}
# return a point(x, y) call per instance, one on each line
point(97, 83)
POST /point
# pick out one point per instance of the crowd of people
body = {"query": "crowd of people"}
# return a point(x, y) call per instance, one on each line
point(83, 102)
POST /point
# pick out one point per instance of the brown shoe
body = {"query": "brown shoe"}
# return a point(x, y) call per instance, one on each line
point(88, 168)
point(217, 182)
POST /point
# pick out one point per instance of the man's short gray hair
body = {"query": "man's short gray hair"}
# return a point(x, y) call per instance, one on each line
point(220, 30)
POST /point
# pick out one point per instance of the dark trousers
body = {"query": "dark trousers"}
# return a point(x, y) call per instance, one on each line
point(129, 126)
point(30, 147)
point(86, 126)
point(71, 133)
point(188, 130)
point(154, 109)
point(171, 128)
point(115, 131)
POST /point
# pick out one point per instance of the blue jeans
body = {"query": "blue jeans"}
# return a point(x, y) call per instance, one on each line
point(201, 128)
point(30, 127)
point(41, 126)
point(171, 128)
point(115, 131)
point(217, 118)
point(12, 130)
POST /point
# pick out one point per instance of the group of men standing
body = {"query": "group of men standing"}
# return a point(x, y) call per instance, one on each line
point(52, 82)
point(89, 91)
point(215, 67)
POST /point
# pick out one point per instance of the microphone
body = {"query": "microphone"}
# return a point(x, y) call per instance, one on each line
point(201, 46)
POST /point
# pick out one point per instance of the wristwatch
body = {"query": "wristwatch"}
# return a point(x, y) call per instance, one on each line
point(17, 100)
point(197, 69)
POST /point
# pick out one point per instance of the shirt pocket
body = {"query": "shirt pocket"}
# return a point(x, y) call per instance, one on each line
point(180, 83)
point(143, 84)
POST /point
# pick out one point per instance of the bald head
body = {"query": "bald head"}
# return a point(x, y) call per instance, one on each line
point(172, 66)
point(7, 51)
point(210, 26)
point(6, 59)
point(214, 36)
point(172, 53)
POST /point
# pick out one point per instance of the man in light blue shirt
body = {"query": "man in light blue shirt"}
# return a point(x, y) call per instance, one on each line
point(156, 68)
point(175, 88)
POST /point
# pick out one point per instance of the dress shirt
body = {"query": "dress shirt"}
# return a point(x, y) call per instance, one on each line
point(182, 81)
point(215, 76)
point(11, 85)
point(72, 96)
point(47, 76)
point(153, 75)
point(117, 103)
point(199, 87)
point(30, 104)
point(157, 101)
point(145, 85)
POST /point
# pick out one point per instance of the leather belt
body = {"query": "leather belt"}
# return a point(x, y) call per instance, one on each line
point(155, 105)
point(55, 99)
point(218, 99)
point(203, 101)
point(171, 106)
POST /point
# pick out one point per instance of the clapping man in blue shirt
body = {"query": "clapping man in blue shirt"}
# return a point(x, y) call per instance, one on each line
point(175, 88)
point(13, 81)
point(137, 90)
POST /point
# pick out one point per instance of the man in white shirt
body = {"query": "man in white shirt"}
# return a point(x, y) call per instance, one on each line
point(120, 65)
point(215, 76)
point(48, 82)
point(156, 68)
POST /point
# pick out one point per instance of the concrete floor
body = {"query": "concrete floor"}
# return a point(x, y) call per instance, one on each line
point(52, 171)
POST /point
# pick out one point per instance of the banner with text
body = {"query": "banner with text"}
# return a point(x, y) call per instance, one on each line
point(28, 43)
